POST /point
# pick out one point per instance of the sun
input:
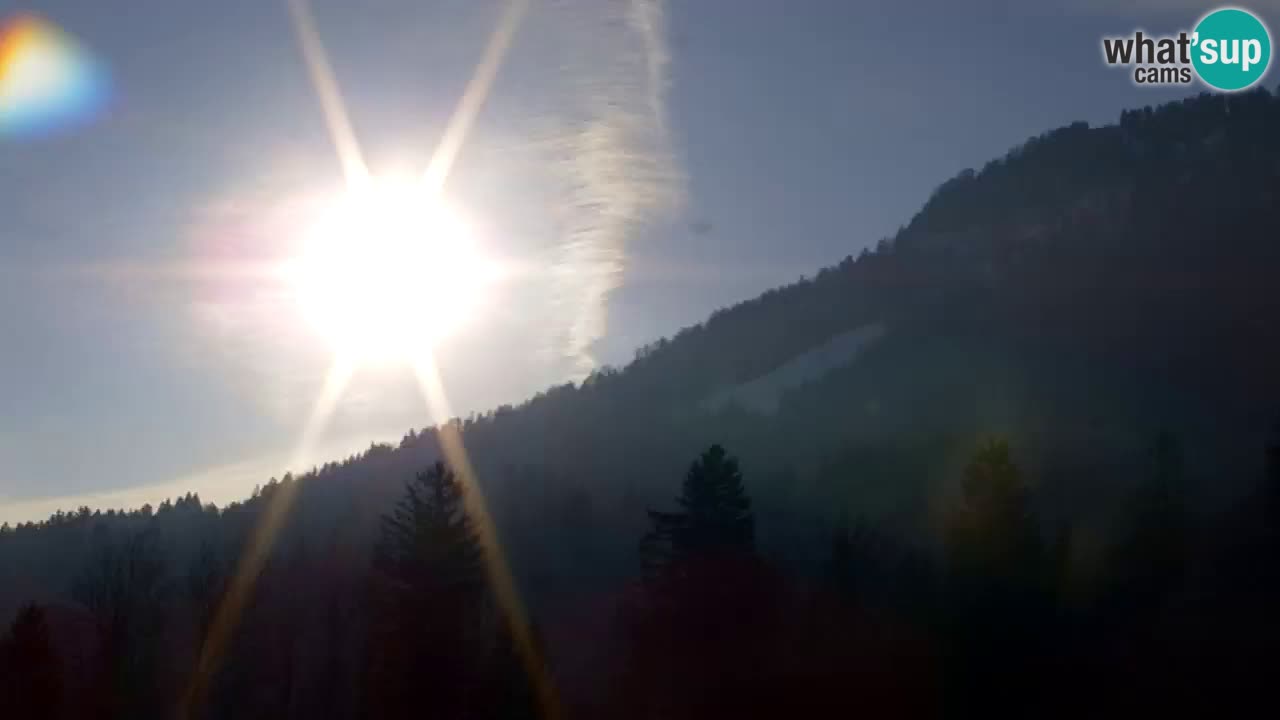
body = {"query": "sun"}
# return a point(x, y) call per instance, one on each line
point(388, 271)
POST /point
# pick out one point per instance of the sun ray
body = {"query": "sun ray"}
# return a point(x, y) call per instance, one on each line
point(473, 97)
point(496, 567)
point(276, 510)
point(261, 538)
point(335, 382)
point(448, 432)
point(326, 84)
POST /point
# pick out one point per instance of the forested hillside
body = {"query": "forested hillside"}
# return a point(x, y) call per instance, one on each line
point(1049, 476)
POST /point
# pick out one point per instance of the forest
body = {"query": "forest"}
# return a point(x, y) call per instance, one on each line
point(1051, 485)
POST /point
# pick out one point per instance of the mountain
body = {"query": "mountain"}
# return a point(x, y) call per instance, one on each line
point(1088, 290)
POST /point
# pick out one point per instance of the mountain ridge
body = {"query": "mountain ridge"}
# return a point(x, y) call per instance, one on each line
point(1063, 295)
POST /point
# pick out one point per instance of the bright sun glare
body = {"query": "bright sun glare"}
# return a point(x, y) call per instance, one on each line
point(388, 271)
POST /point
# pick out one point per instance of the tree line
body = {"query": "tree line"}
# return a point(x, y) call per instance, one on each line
point(1170, 613)
point(862, 549)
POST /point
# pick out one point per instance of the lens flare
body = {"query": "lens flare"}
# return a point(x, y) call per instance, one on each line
point(47, 80)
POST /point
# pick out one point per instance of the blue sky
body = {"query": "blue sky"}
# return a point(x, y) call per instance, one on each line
point(790, 134)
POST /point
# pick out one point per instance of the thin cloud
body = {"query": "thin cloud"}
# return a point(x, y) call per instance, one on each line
point(607, 151)
point(577, 131)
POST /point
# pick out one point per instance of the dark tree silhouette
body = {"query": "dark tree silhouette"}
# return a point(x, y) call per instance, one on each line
point(1146, 568)
point(1085, 287)
point(1151, 554)
point(997, 587)
point(30, 670)
point(205, 584)
point(125, 589)
point(714, 518)
point(702, 639)
point(508, 692)
point(992, 533)
point(862, 640)
point(1272, 487)
point(431, 623)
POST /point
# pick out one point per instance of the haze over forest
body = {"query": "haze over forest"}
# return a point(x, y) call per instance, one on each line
point(1020, 457)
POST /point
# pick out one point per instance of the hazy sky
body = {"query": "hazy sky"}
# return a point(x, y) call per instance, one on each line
point(644, 162)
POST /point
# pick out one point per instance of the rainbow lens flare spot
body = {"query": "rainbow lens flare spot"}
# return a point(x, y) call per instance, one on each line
point(47, 80)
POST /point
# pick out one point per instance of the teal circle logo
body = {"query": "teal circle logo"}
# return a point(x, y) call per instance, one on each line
point(1231, 49)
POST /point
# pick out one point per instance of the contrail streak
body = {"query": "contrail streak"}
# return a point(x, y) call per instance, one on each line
point(326, 84)
point(609, 168)
point(473, 98)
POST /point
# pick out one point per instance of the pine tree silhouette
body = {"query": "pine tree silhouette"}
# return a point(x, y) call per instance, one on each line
point(993, 535)
point(509, 692)
point(1152, 552)
point(431, 627)
point(856, 649)
point(428, 547)
point(30, 671)
point(1273, 476)
point(703, 639)
point(714, 518)
point(997, 584)
point(126, 588)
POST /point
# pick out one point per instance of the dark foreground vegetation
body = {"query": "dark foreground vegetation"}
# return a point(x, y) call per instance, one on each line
point(1051, 487)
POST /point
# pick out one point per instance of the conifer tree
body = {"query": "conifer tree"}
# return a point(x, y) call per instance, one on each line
point(708, 614)
point(1273, 476)
point(432, 625)
point(997, 605)
point(126, 590)
point(714, 517)
point(30, 671)
point(1150, 556)
point(992, 534)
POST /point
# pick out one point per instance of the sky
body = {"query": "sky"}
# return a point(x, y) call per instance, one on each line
point(640, 162)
